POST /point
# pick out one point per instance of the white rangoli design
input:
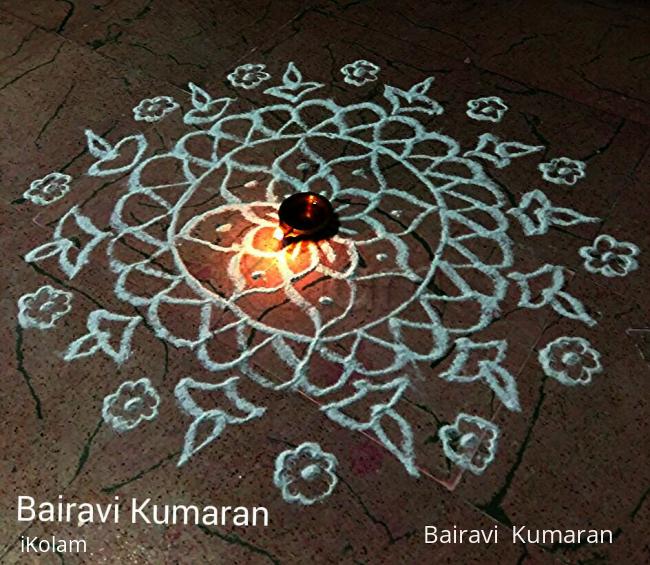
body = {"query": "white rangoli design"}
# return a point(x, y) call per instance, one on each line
point(41, 309)
point(99, 337)
point(106, 153)
point(132, 403)
point(360, 72)
point(153, 110)
point(487, 109)
point(537, 215)
point(470, 442)
point(420, 263)
point(553, 295)
point(48, 189)
point(71, 258)
point(563, 170)
point(306, 474)
point(218, 417)
point(248, 76)
point(570, 360)
point(609, 257)
point(490, 369)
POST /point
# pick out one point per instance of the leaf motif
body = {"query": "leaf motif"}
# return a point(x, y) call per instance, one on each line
point(488, 368)
point(553, 295)
point(107, 153)
point(292, 77)
point(102, 338)
point(536, 214)
point(200, 98)
point(98, 146)
point(571, 307)
point(47, 250)
point(393, 390)
point(413, 100)
point(70, 263)
point(189, 445)
point(83, 347)
point(503, 385)
point(403, 449)
point(500, 153)
point(293, 88)
point(422, 87)
point(512, 149)
point(211, 112)
point(220, 417)
point(567, 217)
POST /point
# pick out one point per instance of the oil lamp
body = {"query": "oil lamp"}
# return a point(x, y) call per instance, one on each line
point(304, 215)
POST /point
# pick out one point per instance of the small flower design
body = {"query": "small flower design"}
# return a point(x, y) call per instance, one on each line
point(486, 109)
point(305, 475)
point(470, 442)
point(360, 72)
point(570, 360)
point(563, 170)
point(130, 404)
point(41, 309)
point(248, 76)
point(154, 109)
point(610, 257)
point(49, 189)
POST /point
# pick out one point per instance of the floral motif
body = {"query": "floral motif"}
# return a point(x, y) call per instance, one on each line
point(101, 338)
point(563, 170)
point(206, 109)
point(49, 189)
point(609, 257)
point(486, 109)
point(470, 442)
point(489, 369)
point(248, 76)
point(108, 155)
point(552, 295)
point(306, 474)
point(132, 403)
point(500, 153)
point(232, 410)
point(415, 99)
point(41, 309)
point(360, 72)
point(72, 257)
point(154, 109)
point(382, 416)
point(537, 214)
point(293, 87)
point(570, 360)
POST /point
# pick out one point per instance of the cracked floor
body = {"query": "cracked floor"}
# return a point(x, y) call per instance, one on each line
point(575, 78)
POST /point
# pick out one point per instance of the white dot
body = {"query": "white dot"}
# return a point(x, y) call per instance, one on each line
point(382, 256)
point(251, 184)
point(310, 472)
point(224, 228)
point(396, 213)
point(257, 275)
point(325, 300)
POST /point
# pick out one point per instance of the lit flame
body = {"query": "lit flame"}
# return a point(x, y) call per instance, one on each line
point(296, 250)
